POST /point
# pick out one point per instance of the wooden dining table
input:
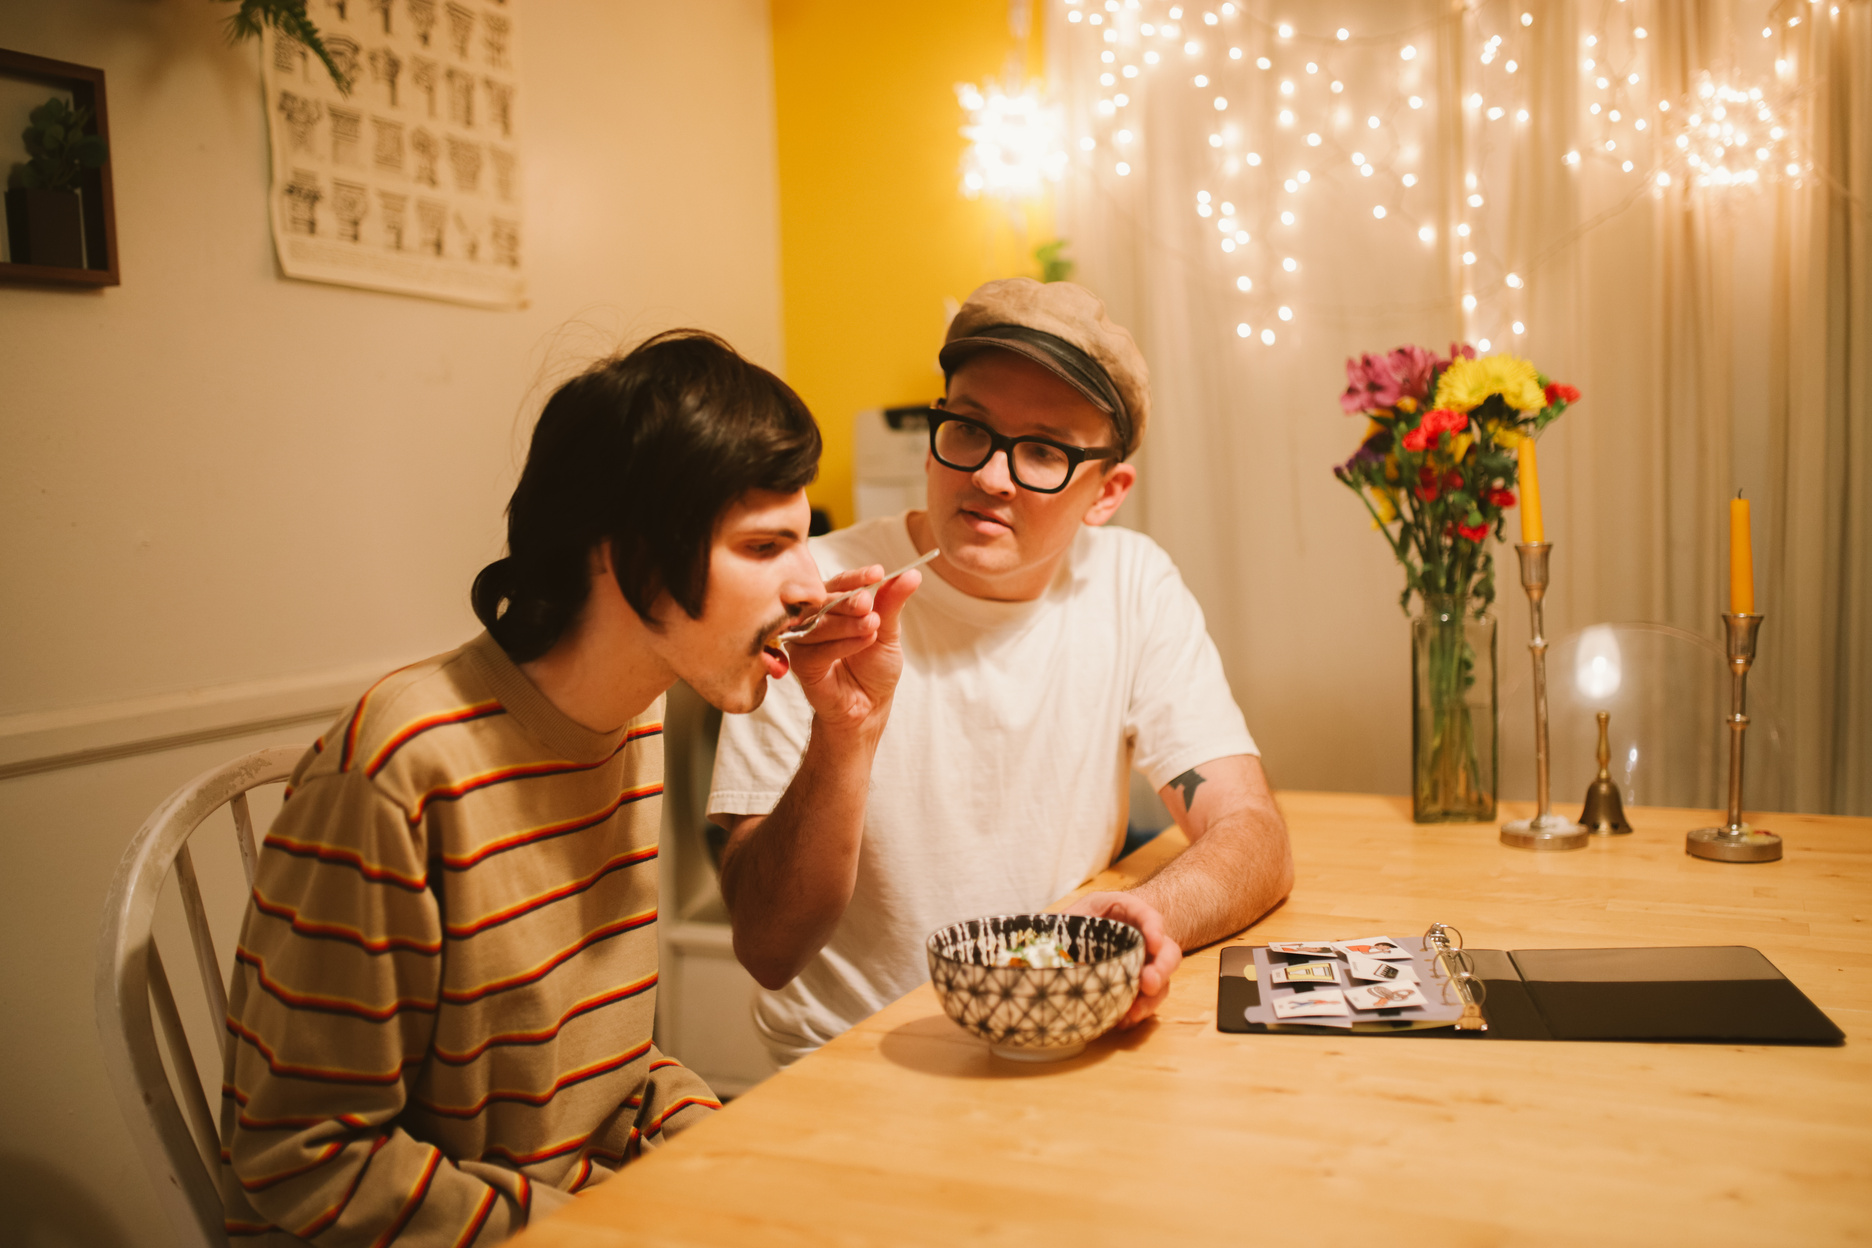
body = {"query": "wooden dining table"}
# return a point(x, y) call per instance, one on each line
point(907, 1131)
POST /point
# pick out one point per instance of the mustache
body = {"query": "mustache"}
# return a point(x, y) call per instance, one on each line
point(771, 629)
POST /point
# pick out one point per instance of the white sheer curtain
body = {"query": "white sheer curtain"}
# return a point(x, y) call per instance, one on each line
point(1720, 339)
point(1820, 428)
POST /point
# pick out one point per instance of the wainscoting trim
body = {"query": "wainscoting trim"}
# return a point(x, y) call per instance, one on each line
point(39, 741)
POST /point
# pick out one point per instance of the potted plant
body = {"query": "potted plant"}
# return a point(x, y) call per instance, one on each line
point(45, 224)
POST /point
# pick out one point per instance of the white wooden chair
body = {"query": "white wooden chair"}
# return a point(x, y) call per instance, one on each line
point(178, 1138)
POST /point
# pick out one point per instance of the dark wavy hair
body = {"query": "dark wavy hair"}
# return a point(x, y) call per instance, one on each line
point(644, 451)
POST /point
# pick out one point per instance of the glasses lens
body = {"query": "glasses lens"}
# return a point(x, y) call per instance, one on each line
point(961, 445)
point(1039, 466)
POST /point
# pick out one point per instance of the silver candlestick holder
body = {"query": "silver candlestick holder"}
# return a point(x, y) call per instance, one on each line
point(1736, 841)
point(1546, 830)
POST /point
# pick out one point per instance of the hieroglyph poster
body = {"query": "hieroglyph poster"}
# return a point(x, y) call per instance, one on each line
point(410, 183)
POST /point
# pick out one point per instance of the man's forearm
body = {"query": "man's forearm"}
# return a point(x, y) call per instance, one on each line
point(787, 878)
point(1239, 870)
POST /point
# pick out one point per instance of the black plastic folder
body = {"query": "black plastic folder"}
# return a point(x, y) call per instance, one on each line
point(1715, 994)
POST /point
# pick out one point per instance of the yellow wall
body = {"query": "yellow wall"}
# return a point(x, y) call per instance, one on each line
point(873, 231)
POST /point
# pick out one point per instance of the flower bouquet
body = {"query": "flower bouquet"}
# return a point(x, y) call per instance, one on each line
point(1434, 469)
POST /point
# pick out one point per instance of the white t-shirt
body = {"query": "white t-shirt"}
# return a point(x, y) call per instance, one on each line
point(1002, 779)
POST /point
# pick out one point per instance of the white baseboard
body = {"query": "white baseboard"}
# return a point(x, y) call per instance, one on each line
point(73, 737)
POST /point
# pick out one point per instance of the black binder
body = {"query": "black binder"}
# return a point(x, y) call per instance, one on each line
point(1720, 994)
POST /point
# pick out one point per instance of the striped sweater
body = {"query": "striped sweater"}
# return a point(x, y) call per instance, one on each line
point(443, 994)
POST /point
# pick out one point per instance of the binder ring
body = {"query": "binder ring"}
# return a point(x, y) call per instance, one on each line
point(1439, 934)
point(1456, 964)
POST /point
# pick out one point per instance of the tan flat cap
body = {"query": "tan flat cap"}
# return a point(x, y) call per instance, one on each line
point(1062, 327)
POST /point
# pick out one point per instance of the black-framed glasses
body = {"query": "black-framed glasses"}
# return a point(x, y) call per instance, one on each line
point(1038, 464)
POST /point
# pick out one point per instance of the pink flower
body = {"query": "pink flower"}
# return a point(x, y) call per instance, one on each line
point(1459, 350)
point(1381, 381)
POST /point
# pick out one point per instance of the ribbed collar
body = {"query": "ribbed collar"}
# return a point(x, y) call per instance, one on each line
point(534, 711)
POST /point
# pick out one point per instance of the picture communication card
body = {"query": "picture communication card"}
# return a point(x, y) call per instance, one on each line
point(1375, 980)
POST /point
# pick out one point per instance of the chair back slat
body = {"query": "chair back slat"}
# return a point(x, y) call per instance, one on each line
point(164, 1105)
point(243, 835)
point(206, 962)
point(194, 1099)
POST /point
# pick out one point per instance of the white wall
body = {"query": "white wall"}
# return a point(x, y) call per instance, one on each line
point(228, 496)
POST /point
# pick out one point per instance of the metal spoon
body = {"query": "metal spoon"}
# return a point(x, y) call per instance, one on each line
point(807, 623)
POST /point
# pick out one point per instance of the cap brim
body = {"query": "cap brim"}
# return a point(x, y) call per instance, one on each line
point(1068, 371)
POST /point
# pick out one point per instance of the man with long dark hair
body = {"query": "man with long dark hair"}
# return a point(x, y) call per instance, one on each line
point(440, 1022)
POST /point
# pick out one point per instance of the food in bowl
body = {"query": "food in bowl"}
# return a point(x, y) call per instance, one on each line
point(1043, 952)
point(1036, 987)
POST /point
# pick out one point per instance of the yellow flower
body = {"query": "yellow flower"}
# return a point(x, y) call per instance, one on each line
point(1466, 383)
point(1505, 436)
point(1384, 506)
point(1371, 427)
point(1407, 404)
point(1459, 446)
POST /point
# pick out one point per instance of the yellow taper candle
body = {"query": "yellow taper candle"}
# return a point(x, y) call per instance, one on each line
point(1741, 559)
point(1529, 480)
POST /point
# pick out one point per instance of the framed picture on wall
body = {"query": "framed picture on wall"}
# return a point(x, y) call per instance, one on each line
point(61, 227)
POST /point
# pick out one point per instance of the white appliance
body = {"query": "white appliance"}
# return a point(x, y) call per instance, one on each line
point(889, 445)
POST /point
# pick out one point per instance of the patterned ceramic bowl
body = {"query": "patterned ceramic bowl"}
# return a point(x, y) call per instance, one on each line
point(1030, 1013)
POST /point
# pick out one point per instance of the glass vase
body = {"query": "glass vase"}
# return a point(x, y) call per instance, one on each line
point(1453, 720)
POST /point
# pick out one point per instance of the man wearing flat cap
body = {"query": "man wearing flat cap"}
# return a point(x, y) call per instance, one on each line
point(1047, 657)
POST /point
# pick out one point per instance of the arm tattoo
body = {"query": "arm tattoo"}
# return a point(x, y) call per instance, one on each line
point(1186, 784)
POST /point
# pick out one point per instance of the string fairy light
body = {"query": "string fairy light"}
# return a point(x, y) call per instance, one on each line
point(1274, 96)
point(1277, 93)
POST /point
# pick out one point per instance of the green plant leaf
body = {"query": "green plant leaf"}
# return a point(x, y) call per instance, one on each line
point(288, 17)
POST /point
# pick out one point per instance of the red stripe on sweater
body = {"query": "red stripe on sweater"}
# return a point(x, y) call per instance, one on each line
point(546, 832)
point(336, 1211)
point(708, 1102)
point(545, 1154)
point(477, 1221)
point(461, 996)
point(319, 1074)
point(544, 1034)
point(328, 1005)
point(461, 931)
point(413, 1201)
point(357, 720)
point(567, 1080)
point(344, 858)
point(302, 926)
point(416, 727)
point(522, 771)
point(260, 1184)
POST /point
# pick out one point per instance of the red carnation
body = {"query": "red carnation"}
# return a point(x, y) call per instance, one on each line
point(1435, 424)
point(1427, 488)
point(1474, 533)
point(1501, 498)
point(1559, 392)
point(1452, 480)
